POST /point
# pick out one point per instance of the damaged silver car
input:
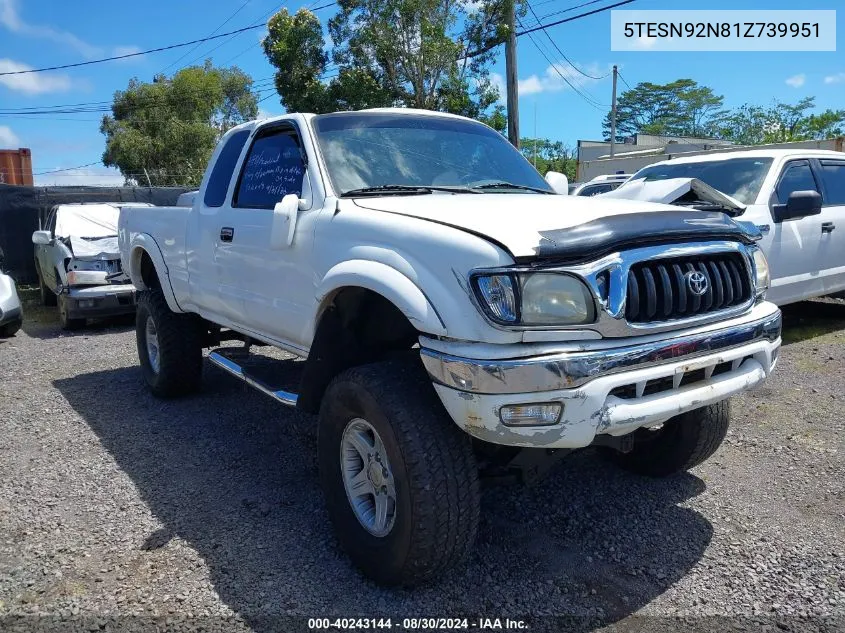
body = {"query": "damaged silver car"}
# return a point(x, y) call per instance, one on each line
point(11, 313)
point(78, 263)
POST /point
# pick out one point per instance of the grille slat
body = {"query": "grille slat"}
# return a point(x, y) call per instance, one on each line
point(661, 290)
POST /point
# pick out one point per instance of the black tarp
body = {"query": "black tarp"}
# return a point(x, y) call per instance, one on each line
point(21, 208)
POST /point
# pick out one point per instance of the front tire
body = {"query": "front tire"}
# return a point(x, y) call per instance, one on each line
point(67, 322)
point(681, 443)
point(169, 347)
point(419, 461)
point(47, 296)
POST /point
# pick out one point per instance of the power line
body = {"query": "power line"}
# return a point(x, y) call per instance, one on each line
point(586, 98)
point(152, 50)
point(116, 57)
point(618, 74)
point(567, 10)
point(220, 26)
point(55, 171)
point(574, 17)
point(557, 48)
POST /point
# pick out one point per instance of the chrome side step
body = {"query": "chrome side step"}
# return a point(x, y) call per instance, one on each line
point(285, 397)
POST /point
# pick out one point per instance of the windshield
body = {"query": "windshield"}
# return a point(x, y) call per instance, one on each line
point(374, 149)
point(740, 178)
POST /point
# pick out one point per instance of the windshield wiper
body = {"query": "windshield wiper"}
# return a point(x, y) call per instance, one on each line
point(381, 190)
point(509, 185)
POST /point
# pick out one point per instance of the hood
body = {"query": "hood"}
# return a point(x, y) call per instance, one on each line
point(90, 230)
point(688, 192)
point(532, 226)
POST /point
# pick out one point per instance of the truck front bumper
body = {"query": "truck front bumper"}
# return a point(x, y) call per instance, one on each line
point(612, 387)
point(100, 301)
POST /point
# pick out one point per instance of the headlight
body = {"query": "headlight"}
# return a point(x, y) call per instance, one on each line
point(761, 272)
point(535, 299)
point(550, 299)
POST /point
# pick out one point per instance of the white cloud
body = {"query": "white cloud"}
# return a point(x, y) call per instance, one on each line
point(31, 83)
point(11, 19)
point(102, 176)
point(838, 78)
point(8, 139)
point(796, 81)
point(555, 77)
point(644, 42)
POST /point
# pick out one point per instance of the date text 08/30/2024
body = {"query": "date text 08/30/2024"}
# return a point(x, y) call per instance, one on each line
point(482, 623)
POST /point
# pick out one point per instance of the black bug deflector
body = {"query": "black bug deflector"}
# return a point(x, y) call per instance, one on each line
point(605, 235)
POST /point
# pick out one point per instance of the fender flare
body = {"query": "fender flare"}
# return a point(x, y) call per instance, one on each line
point(145, 243)
point(387, 282)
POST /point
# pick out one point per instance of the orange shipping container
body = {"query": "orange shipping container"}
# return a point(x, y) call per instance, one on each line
point(16, 166)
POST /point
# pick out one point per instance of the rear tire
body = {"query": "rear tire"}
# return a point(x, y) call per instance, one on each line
point(169, 346)
point(681, 443)
point(68, 323)
point(430, 469)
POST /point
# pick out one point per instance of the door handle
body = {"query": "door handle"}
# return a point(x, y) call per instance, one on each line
point(227, 233)
point(827, 227)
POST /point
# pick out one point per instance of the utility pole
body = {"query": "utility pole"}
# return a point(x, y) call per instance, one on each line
point(613, 113)
point(535, 134)
point(511, 76)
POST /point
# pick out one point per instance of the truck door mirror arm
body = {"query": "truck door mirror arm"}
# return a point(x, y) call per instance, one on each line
point(800, 204)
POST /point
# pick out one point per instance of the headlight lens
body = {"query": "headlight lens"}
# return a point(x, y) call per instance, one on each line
point(499, 296)
point(761, 272)
point(535, 299)
point(551, 299)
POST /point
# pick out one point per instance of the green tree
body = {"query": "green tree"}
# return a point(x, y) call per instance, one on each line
point(430, 54)
point(679, 108)
point(166, 130)
point(781, 123)
point(547, 155)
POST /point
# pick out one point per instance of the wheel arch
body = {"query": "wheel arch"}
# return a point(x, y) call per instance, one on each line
point(147, 269)
point(356, 326)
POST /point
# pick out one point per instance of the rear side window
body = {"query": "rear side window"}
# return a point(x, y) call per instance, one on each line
point(797, 176)
point(833, 177)
point(273, 169)
point(221, 175)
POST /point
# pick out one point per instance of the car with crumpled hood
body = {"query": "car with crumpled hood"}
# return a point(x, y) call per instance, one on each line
point(78, 263)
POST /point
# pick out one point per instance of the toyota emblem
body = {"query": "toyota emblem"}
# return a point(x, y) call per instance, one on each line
point(697, 282)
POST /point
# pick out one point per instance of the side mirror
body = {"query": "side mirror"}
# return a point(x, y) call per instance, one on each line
point(284, 221)
point(800, 204)
point(559, 182)
point(42, 237)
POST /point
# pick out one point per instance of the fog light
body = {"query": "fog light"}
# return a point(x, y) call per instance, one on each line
point(531, 414)
point(86, 303)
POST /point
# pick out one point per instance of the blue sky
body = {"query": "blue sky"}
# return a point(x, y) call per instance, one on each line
point(37, 33)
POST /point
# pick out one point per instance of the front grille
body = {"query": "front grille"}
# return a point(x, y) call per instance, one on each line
point(659, 290)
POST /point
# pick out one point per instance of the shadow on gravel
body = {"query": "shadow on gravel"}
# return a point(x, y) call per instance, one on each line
point(809, 319)
point(43, 322)
point(234, 475)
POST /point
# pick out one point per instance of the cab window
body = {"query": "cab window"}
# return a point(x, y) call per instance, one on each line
point(796, 176)
point(833, 177)
point(273, 169)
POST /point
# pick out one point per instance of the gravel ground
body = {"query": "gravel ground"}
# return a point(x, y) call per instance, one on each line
point(120, 510)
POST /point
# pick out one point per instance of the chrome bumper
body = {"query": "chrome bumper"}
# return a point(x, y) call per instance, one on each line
point(573, 369)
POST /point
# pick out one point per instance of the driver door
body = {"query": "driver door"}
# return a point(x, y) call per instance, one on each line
point(794, 245)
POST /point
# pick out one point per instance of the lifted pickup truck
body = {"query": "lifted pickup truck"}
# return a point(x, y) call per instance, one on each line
point(456, 317)
point(796, 197)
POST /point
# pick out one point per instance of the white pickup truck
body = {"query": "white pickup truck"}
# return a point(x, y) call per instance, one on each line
point(456, 317)
point(796, 197)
